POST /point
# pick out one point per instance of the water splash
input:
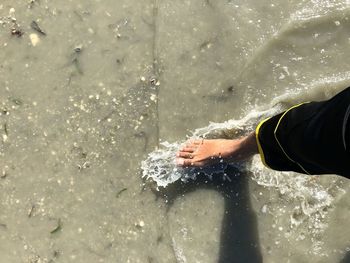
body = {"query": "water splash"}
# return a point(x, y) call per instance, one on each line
point(311, 200)
point(160, 166)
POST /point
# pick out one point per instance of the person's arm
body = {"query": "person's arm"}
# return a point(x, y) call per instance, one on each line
point(247, 148)
point(308, 138)
point(200, 153)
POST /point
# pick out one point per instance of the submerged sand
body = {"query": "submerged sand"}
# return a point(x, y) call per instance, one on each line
point(92, 87)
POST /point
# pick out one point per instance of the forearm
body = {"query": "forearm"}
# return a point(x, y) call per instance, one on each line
point(248, 147)
point(308, 138)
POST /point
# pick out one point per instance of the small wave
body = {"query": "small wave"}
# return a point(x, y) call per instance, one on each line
point(160, 166)
point(312, 201)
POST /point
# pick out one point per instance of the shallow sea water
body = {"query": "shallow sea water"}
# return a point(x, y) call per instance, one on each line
point(95, 90)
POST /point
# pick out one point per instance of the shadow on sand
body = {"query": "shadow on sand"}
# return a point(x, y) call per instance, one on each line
point(239, 235)
point(346, 259)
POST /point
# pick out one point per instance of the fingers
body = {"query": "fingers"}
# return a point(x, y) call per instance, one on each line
point(188, 149)
point(180, 161)
point(186, 155)
point(198, 141)
point(188, 163)
point(194, 143)
point(192, 146)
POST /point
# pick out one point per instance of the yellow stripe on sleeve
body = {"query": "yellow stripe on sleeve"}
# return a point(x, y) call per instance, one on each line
point(279, 144)
point(261, 152)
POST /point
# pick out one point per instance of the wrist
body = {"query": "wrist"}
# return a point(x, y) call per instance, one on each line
point(247, 147)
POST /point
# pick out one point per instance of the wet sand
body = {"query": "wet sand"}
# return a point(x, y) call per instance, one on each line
point(92, 87)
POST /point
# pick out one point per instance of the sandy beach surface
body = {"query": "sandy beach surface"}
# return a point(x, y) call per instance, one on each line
point(89, 88)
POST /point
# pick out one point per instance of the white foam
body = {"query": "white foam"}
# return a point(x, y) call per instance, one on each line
point(312, 201)
point(160, 166)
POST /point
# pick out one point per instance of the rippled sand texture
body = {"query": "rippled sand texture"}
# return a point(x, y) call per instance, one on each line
point(91, 88)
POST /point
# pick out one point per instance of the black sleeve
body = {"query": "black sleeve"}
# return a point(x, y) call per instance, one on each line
point(310, 138)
